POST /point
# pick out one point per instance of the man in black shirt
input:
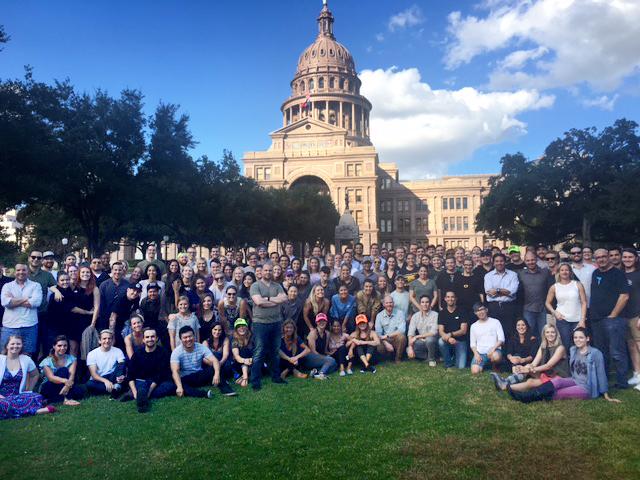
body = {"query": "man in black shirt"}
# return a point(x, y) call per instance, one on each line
point(632, 311)
point(452, 327)
point(486, 265)
point(123, 309)
point(154, 315)
point(149, 372)
point(609, 296)
point(446, 279)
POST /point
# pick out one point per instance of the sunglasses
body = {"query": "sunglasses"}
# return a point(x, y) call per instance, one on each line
point(219, 278)
point(231, 294)
point(35, 257)
point(550, 258)
point(576, 253)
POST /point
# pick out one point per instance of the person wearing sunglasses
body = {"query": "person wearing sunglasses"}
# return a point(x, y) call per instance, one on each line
point(581, 269)
point(553, 261)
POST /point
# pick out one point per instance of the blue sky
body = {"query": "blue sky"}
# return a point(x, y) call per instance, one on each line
point(229, 64)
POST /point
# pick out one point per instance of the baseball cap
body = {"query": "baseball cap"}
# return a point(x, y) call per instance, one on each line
point(153, 286)
point(367, 260)
point(48, 253)
point(241, 322)
point(361, 318)
point(135, 286)
point(321, 317)
point(289, 273)
point(514, 249)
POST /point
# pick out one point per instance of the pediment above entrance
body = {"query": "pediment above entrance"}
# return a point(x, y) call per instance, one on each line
point(309, 126)
point(309, 137)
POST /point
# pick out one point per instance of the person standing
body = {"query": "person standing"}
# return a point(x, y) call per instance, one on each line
point(609, 296)
point(267, 297)
point(110, 292)
point(46, 280)
point(571, 308)
point(21, 299)
point(446, 279)
point(500, 286)
point(535, 286)
point(631, 311)
point(468, 286)
point(582, 270)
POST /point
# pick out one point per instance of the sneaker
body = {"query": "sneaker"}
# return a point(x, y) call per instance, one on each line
point(349, 371)
point(320, 376)
point(343, 373)
point(313, 372)
point(227, 391)
point(364, 370)
point(637, 387)
point(432, 363)
point(209, 393)
point(498, 381)
point(635, 380)
point(372, 369)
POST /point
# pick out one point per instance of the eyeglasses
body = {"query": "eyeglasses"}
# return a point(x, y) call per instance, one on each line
point(576, 253)
point(219, 278)
point(35, 257)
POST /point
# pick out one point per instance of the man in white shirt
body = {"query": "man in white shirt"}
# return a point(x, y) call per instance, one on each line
point(21, 299)
point(501, 286)
point(487, 337)
point(584, 271)
point(106, 366)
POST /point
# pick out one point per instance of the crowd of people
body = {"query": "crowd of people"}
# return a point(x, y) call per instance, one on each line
point(546, 324)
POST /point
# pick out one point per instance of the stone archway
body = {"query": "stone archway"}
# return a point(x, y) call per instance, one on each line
point(311, 182)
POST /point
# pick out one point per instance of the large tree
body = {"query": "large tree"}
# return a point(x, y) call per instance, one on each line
point(579, 189)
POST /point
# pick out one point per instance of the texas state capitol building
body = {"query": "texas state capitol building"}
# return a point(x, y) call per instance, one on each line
point(324, 141)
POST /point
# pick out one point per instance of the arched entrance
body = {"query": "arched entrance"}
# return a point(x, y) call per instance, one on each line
point(311, 182)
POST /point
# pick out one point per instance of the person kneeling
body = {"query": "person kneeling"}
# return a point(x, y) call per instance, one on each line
point(59, 371)
point(487, 337)
point(149, 371)
point(423, 333)
point(106, 366)
point(390, 327)
point(193, 365)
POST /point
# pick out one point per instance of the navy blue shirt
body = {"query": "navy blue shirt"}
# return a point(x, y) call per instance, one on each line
point(110, 293)
point(606, 287)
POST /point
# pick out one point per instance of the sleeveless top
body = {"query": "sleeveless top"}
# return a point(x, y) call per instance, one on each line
point(568, 298)
point(562, 367)
point(321, 343)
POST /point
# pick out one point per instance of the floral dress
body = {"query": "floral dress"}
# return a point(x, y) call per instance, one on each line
point(16, 404)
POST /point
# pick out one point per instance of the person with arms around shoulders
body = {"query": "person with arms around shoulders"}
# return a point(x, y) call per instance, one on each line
point(453, 326)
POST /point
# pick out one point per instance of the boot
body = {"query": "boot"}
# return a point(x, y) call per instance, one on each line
point(543, 392)
point(515, 378)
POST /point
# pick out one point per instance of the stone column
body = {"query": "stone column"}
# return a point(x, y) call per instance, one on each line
point(353, 119)
point(341, 121)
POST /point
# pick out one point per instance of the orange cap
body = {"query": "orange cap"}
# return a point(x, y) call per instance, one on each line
point(362, 318)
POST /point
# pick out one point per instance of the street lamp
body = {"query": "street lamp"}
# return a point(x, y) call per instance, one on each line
point(65, 242)
point(166, 240)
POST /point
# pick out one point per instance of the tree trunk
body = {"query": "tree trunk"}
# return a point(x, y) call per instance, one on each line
point(586, 231)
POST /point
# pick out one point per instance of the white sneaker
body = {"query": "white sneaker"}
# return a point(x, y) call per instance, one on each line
point(432, 363)
point(635, 380)
point(343, 373)
point(637, 387)
point(320, 376)
point(349, 371)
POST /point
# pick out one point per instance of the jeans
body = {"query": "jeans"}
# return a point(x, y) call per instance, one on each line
point(324, 363)
point(340, 356)
point(425, 349)
point(459, 349)
point(191, 382)
point(98, 388)
point(29, 338)
point(609, 336)
point(51, 391)
point(566, 332)
point(266, 348)
point(536, 321)
point(163, 389)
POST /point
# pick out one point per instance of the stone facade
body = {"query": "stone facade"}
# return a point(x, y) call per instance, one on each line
point(324, 141)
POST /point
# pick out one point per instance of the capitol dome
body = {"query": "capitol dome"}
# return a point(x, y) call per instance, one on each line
point(326, 52)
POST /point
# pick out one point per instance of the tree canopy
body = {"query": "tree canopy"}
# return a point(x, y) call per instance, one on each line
point(583, 187)
point(95, 169)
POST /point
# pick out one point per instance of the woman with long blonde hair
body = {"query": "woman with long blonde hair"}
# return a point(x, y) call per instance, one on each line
point(316, 303)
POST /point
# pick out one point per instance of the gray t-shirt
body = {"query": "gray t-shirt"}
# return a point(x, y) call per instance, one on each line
point(579, 371)
point(266, 314)
point(190, 362)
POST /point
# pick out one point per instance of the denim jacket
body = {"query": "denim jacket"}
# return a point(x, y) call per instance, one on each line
point(597, 382)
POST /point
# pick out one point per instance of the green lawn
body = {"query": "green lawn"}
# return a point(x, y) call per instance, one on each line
point(406, 421)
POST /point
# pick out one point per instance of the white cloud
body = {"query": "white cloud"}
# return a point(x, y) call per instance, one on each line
point(577, 41)
point(604, 102)
point(380, 37)
point(425, 130)
point(410, 17)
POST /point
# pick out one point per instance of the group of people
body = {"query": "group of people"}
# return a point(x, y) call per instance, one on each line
point(553, 321)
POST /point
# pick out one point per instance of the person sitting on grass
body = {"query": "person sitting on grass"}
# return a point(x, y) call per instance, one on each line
point(193, 365)
point(242, 349)
point(18, 376)
point(521, 347)
point(550, 361)
point(149, 374)
point(59, 371)
point(318, 360)
point(588, 376)
point(135, 339)
point(487, 337)
point(292, 351)
point(363, 344)
point(337, 347)
point(390, 327)
point(423, 333)
point(220, 346)
point(106, 367)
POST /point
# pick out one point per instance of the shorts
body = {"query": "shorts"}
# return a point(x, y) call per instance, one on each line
point(29, 337)
point(484, 359)
point(634, 331)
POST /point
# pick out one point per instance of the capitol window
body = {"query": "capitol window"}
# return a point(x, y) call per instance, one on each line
point(321, 82)
point(332, 82)
point(311, 84)
point(263, 173)
point(341, 84)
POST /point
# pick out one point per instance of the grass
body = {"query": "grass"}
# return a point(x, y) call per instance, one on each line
point(406, 421)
